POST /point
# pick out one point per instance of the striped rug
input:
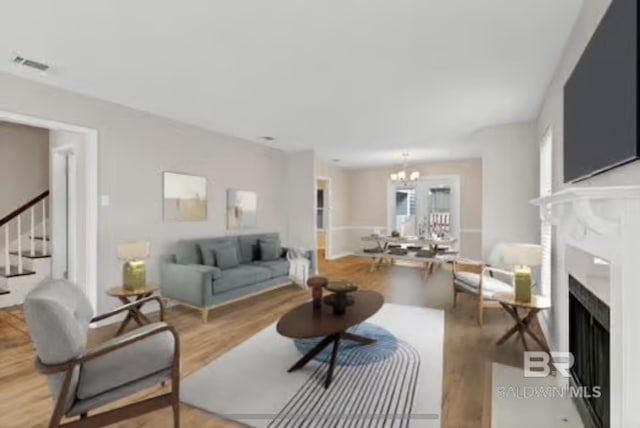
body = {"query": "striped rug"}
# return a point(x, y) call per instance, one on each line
point(395, 382)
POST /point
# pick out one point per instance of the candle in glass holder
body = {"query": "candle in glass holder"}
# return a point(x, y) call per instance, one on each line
point(522, 283)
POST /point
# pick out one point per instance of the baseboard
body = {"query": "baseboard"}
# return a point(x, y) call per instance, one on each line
point(340, 255)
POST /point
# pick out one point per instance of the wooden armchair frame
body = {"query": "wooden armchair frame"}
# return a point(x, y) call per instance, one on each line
point(482, 270)
point(171, 398)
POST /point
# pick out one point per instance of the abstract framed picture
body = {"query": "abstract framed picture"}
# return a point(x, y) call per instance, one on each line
point(185, 197)
point(242, 207)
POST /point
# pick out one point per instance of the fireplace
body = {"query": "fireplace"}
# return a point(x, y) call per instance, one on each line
point(589, 344)
point(602, 221)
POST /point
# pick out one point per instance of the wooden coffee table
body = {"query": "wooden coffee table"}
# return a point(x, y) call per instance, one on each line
point(303, 323)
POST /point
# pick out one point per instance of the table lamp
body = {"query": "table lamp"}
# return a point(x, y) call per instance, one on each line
point(522, 257)
point(134, 273)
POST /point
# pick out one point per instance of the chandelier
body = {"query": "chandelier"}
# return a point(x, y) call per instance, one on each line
point(403, 176)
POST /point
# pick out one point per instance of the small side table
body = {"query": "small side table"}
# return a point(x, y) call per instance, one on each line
point(511, 305)
point(126, 296)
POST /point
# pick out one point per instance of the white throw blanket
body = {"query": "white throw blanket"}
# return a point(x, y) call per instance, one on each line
point(298, 267)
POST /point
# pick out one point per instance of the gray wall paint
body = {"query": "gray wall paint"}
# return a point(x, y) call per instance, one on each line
point(24, 164)
point(134, 149)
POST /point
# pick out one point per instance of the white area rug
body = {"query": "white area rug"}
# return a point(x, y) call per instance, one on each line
point(395, 382)
point(529, 402)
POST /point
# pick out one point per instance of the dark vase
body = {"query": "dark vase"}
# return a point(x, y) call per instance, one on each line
point(339, 303)
point(317, 283)
point(340, 298)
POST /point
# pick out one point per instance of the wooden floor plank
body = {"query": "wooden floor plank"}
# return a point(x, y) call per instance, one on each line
point(25, 400)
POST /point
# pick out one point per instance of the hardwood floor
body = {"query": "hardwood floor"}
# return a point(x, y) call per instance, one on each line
point(468, 350)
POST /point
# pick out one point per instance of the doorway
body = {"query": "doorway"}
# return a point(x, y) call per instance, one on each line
point(405, 221)
point(323, 218)
point(74, 200)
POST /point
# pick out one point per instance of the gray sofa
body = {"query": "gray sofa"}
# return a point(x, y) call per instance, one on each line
point(200, 274)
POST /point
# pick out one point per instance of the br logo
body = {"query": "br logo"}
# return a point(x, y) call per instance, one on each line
point(541, 364)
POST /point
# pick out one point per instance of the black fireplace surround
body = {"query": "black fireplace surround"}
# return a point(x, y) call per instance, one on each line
point(589, 344)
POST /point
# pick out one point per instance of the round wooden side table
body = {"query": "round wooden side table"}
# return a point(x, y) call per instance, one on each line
point(129, 296)
point(511, 305)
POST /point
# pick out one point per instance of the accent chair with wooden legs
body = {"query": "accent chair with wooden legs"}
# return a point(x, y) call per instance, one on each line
point(478, 280)
point(58, 315)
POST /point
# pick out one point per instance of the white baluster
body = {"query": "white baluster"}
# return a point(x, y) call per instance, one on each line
point(44, 227)
point(32, 242)
point(19, 244)
point(7, 262)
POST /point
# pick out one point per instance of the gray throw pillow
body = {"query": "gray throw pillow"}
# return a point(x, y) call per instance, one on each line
point(269, 250)
point(207, 253)
point(226, 256)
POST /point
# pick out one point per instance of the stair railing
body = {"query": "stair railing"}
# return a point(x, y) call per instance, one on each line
point(14, 220)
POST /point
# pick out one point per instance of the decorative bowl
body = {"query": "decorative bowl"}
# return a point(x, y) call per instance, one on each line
point(340, 298)
point(341, 287)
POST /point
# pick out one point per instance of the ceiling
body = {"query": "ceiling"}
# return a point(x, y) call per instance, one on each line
point(357, 80)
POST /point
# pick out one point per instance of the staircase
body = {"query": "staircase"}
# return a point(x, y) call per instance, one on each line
point(25, 256)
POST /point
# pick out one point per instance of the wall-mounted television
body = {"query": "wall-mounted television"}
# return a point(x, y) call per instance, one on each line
point(601, 97)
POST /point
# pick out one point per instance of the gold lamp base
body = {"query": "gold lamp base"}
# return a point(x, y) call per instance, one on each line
point(134, 275)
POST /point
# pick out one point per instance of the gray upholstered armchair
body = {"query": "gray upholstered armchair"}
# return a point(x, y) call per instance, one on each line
point(58, 316)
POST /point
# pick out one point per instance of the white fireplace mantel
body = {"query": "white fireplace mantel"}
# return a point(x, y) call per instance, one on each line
point(605, 222)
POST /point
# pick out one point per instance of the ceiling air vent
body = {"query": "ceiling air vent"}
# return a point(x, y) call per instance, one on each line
point(30, 63)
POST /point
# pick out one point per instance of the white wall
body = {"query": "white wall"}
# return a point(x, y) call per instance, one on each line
point(57, 207)
point(24, 164)
point(510, 171)
point(134, 149)
point(301, 200)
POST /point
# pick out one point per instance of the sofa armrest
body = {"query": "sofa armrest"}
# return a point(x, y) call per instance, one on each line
point(188, 283)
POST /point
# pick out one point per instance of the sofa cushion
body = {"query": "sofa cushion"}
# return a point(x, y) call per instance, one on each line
point(249, 248)
point(239, 277)
point(207, 246)
point(207, 255)
point(269, 250)
point(188, 253)
point(226, 256)
point(279, 267)
point(490, 286)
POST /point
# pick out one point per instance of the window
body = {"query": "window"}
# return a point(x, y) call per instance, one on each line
point(320, 209)
point(406, 212)
point(439, 215)
point(546, 231)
